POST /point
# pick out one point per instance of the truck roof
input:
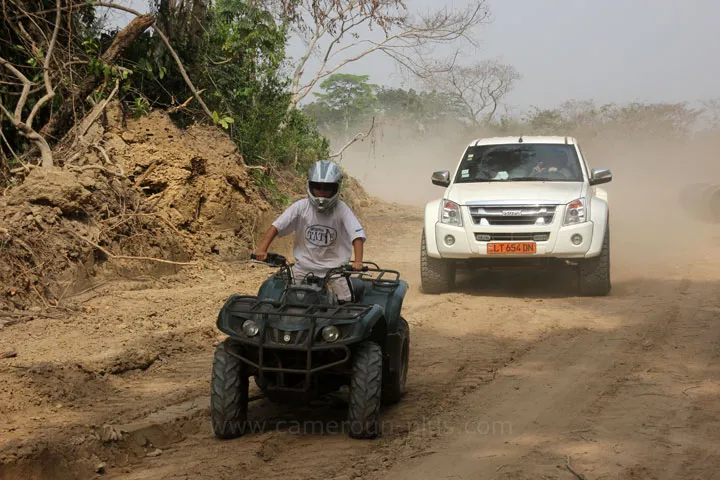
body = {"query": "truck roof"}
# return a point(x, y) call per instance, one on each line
point(523, 139)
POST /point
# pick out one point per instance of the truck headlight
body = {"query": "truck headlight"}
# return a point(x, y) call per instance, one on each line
point(450, 213)
point(575, 212)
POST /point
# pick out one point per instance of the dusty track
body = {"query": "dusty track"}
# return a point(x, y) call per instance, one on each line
point(510, 374)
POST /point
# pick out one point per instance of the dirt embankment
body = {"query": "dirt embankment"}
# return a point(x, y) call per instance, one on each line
point(144, 199)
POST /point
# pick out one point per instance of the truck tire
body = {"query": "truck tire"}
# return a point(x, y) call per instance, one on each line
point(394, 381)
point(365, 391)
point(229, 395)
point(594, 273)
point(437, 275)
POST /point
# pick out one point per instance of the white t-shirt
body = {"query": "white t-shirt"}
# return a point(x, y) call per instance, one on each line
point(322, 240)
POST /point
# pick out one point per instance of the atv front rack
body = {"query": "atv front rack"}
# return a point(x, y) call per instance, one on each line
point(245, 306)
point(380, 280)
point(251, 305)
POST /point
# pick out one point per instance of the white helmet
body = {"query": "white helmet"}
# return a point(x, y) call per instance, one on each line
point(324, 175)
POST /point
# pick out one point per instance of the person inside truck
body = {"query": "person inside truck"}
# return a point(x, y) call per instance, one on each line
point(555, 167)
point(491, 167)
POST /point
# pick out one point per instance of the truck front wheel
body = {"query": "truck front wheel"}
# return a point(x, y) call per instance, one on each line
point(437, 275)
point(594, 273)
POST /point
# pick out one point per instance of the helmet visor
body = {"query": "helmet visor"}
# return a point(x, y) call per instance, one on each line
point(321, 189)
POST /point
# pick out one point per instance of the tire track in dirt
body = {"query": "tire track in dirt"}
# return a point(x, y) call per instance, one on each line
point(567, 397)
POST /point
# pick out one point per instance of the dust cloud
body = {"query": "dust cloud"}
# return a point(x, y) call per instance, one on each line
point(651, 173)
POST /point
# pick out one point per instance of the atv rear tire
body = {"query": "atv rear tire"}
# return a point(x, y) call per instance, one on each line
point(437, 275)
point(394, 381)
point(594, 273)
point(229, 396)
point(365, 391)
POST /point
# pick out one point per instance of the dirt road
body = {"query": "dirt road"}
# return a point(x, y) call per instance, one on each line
point(511, 375)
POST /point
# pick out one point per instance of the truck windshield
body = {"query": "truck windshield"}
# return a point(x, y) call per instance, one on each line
point(520, 162)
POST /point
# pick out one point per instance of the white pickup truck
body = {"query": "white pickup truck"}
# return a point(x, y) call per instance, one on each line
point(519, 201)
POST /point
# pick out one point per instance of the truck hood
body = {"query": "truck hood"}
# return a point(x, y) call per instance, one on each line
point(520, 192)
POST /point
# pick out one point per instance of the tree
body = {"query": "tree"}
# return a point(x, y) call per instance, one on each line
point(712, 111)
point(422, 109)
point(325, 25)
point(25, 125)
point(348, 98)
point(547, 122)
point(479, 88)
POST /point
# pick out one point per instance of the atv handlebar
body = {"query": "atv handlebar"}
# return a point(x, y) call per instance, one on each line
point(346, 270)
point(273, 259)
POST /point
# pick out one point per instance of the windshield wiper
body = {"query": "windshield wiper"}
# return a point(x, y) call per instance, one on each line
point(521, 179)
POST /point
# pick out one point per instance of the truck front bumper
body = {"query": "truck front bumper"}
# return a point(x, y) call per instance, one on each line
point(572, 241)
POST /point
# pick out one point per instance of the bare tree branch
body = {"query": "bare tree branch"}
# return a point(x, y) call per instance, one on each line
point(25, 83)
point(125, 257)
point(170, 49)
point(50, 93)
point(7, 144)
point(403, 37)
point(61, 122)
point(358, 137)
point(95, 112)
point(25, 127)
point(479, 88)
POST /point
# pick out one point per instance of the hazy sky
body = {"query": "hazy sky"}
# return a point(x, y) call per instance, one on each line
point(609, 51)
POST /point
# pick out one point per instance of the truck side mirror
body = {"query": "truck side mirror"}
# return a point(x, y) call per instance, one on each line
point(600, 175)
point(441, 178)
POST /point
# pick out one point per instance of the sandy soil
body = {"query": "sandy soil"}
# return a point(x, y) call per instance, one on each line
point(511, 375)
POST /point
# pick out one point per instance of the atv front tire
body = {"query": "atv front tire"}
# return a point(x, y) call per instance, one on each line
point(229, 396)
point(394, 381)
point(594, 273)
point(365, 391)
point(437, 275)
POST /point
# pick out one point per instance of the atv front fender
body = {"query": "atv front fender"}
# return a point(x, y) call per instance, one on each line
point(393, 306)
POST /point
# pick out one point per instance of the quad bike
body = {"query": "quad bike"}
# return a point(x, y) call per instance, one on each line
point(299, 343)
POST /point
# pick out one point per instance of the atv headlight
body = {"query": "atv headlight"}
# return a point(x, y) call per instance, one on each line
point(330, 333)
point(250, 328)
point(450, 213)
point(575, 212)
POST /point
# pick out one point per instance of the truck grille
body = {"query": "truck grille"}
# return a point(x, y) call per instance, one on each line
point(513, 215)
point(512, 237)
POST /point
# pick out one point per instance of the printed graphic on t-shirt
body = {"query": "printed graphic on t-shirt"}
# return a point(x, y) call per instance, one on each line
point(320, 235)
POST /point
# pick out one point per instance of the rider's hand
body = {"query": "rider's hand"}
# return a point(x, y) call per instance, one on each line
point(261, 255)
point(357, 266)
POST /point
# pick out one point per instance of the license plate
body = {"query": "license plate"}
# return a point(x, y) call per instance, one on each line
point(512, 247)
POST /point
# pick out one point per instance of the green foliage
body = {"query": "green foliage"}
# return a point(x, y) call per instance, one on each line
point(238, 62)
point(348, 94)
point(347, 102)
point(422, 111)
point(269, 189)
point(424, 107)
point(25, 30)
point(140, 107)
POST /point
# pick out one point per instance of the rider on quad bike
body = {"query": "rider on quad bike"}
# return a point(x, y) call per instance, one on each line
point(331, 324)
point(326, 230)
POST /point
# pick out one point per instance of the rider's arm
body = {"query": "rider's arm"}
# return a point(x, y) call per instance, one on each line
point(282, 226)
point(266, 241)
point(358, 244)
point(356, 233)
